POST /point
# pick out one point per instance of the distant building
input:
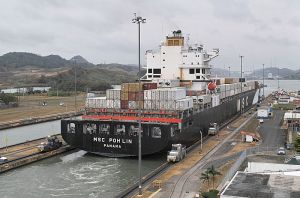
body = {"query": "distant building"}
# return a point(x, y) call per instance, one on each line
point(270, 76)
point(264, 180)
point(292, 120)
point(22, 90)
point(14, 90)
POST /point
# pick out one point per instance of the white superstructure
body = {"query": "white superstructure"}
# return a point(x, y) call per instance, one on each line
point(176, 60)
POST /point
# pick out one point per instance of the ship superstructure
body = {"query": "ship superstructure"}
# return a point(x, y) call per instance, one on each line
point(177, 98)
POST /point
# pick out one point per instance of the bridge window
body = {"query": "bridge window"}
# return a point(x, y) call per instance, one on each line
point(197, 70)
point(156, 71)
point(89, 128)
point(104, 128)
point(192, 71)
point(120, 129)
point(203, 71)
point(150, 71)
point(156, 132)
point(197, 77)
point(71, 127)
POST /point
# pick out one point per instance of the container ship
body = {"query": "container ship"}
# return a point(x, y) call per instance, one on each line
point(175, 101)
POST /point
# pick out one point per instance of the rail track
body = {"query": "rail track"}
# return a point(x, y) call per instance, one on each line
point(181, 182)
point(132, 190)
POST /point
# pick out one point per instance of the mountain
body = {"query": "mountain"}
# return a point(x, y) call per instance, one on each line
point(79, 60)
point(27, 69)
point(283, 73)
point(16, 60)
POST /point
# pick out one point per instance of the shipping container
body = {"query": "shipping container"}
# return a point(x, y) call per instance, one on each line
point(215, 100)
point(124, 104)
point(124, 95)
point(113, 94)
point(98, 102)
point(135, 104)
point(113, 104)
point(149, 86)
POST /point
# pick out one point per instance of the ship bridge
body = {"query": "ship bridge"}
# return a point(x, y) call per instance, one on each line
point(176, 59)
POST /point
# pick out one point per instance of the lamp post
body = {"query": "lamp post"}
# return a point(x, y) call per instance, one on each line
point(138, 20)
point(263, 80)
point(278, 79)
point(241, 57)
point(229, 71)
point(75, 87)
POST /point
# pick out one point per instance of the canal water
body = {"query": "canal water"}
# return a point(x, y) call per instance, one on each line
point(74, 175)
point(78, 174)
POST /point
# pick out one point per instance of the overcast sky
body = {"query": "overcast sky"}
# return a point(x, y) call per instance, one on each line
point(264, 31)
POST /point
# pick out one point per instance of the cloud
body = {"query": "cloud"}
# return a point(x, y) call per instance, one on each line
point(101, 30)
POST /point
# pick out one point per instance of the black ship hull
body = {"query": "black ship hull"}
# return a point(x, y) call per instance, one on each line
point(120, 139)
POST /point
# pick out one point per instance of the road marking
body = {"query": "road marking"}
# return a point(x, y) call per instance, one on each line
point(153, 194)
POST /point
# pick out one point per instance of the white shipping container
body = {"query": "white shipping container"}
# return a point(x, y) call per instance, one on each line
point(215, 100)
point(114, 94)
point(97, 102)
point(113, 104)
point(231, 92)
point(184, 104)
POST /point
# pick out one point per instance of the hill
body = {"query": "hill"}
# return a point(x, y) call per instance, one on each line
point(283, 73)
point(16, 60)
point(27, 69)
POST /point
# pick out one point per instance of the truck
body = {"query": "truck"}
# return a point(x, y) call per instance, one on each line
point(177, 153)
point(52, 143)
point(213, 129)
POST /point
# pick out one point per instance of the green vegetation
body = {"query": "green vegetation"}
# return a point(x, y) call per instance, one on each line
point(297, 144)
point(207, 176)
point(91, 79)
point(289, 106)
point(7, 98)
point(27, 69)
point(210, 194)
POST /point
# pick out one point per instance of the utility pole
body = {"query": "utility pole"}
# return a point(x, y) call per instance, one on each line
point(138, 20)
point(241, 98)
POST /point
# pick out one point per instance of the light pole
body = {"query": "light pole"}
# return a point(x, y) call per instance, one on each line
point(75, 87)
point(263, 80)
point(138, 20)
point(201, 138)
point(229, 71)
point(278, 79)
point(241, 57)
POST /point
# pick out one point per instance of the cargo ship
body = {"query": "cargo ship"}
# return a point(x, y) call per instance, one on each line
point(175, 101)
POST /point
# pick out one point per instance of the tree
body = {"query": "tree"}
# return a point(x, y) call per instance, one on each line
point(205, 177)
point(297, 144)
point(213, 172)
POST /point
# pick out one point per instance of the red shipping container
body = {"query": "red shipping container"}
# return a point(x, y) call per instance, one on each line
point(124, 104)
point(131, 95)
point(139, 96)
point(148, 86)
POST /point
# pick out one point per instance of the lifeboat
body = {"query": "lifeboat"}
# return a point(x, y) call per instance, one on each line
point(212, 86)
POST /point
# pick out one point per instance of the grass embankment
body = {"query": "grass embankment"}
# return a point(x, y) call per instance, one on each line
point(31, 106)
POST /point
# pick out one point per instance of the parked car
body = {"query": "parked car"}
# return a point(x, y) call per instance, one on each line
point(3, 160)
point(288, 146)
point(281, 151)
point(261, 121)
